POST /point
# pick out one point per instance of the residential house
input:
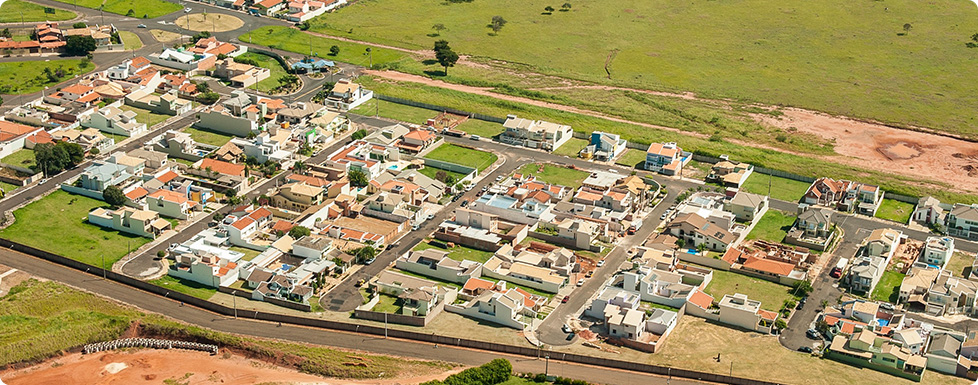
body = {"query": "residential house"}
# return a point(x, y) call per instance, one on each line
point(181, 60)
point(524, 274)
point(865, 273)
point(510, 209)
point(962, 221)
point(264, 148)
point(867, 349)
point(269, 7)
point(415, 141)
point(579, 233)
point(303, 10)
point(419, 297)
point(730, 174)
point(497, 303)
point(943, 351)
point(666, 158)
point(937, 251)
point(387, 136)
point(241, 228)
point(883, 243)
point(168, 103)
point(206, 269)
point(210, 45)
point(951, 295)
point(912, 339)
point(746, 206)
point(115, 121)
point(364, 157)
point(240, 74)
point(102, 174)
point(659, 286)
point(213, 166)
point(745, 313)
point(143, 223)
point(813, 229)
point(180, 145)
point(604, 146)
point(436, 264)
point(929, 211)
point(916, 284)
point(172, 204)
point(312, 248)
point(697, 231)
point(13, 136)
point(299, 113)
point(535, 133)
point(298, 196)
point(347, 95)
point(844, 195)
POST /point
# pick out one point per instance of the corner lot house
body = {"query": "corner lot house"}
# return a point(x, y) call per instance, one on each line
point(962, 221)
point(347, 95)
point(666, 158)
point(535, 133)
point(143, 223)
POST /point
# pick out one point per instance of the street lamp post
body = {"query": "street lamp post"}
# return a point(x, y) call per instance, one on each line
point(234, 300)
point(546, 368)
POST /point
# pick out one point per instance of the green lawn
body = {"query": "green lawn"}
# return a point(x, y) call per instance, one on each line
point(145, 116)
point(269, 62)
point(16, 11)
point(24, 77)
point(959, 262)
point(781, 188)
point(771, 295)
point(249, 253)
point(291, 39)
point(184, 286)
point(773, 226)
point(464, 156)
point(144, 9)
point(23, 158)
point(395, 111)
point(888, 289)
point(8, 188)
point(632, 158)
point(481, 127)
point(432, 172)
point(556, 174)
point(795, 53)
point(459, 252)
point(130, 40)
point(59, 223)
point(387, 304)
point(571, 148)
point(207, 136)
point(896, 211)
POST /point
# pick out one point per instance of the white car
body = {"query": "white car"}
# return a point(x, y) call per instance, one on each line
point(580, 282)
point(566, 329)
point(601, 263)
point(187, 10)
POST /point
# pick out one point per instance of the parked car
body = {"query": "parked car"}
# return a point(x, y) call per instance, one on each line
point(566, 298)
point(499, 178)
point(431, 216)
point(415, 227)
point(580, 282)
point(465, 203)
point(141, 26)
point(360, 283)
point(475, 137)
point(369, 261)
point(813, 334)
point(663, 216)
point(836, 272)
point(187, 10)
point(601, 263)
point(886, 305)
point(805, 349)
point(589, 274)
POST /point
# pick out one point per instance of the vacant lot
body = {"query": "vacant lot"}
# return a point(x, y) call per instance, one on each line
point(571, 148)
point(458, 252)
point(145, 116)
point(959, 262)
point(184, 286)
point(481, 127)
point(432, 172)
point(781, 188)
point(404, 113)
point(549, 173)
point(896, 211)
point(16, 11)
point(59, 223)
point(771, 295)
point(760, 50)
point(27, 77)
point(207, 137)
point(632, 158)
point(888, 289)
point(130, 40)
point(463, 156)
point(164, 36)
point(23, 158)
point(773, 226)
point(265, 61)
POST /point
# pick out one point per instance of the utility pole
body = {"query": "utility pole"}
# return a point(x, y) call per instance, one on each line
point(385, 325)
point(371, 56)
point(546, 368)
point(103, 265)
point(234, 300)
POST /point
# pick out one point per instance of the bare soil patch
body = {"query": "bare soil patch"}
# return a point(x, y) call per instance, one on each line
point(214, 22)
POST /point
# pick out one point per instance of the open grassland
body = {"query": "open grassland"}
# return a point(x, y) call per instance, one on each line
point(894, 210)
point(17, 11)
point(58, 223)
point(558, 175)
point(773, 226)
point(771, 295)
point(401, 112)
point(464, 156)
point(801, 165)
point(848, 58)
point(275, 70)
point(28, 76)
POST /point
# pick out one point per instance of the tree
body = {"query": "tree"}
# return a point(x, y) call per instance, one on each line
point(208, 97)
point(288, 80)
point(79, 45)
point(359, 134)
point(299, 232)
point(680, 243)
point(334, 50)
point(802, 288)
point(496, 24)
point(780, 324)
point(161, 254)
point(358, 178)
point(131, 13)
point(548, 10)
point(438, 28)
point(200, 35)
point(364, 253)
point(79, 25)
point(114, 196)
point(202, 86)
point(232, 196)
point(906, 28)
point(566, 7)
point(51, 159)
point(440, 45)
point(446, 57)
point(6, 33)
point(76, 153)
point(298, 166)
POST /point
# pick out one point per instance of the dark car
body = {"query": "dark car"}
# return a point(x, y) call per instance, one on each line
point(465, 203)
point(813, 334)
point(566, 298)
point(805, 349)
point(836, 272)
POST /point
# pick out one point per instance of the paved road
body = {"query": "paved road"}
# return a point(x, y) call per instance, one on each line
point(368, 343)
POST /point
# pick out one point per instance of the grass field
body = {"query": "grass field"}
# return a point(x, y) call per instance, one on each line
point(184, 286)
point(571, 148)
point(459, 252)
point(145, 116)
point(773, 226)
point(16, 11)
point(481, 127)
point(888, 289)
point(23, 157)
point(130, 40)
point(387, 304)
point(291, 39)
point(781, 188)
point(432, 172)
point(759, 50)
point(959, 261)
point(249, 253)
point(27, 77)
point(896, 211)
point(771, 295)
point(144, 9)
point(207, 137)
point(269, 62)
point(555, 174)
point(8, 188)
point(395, 111)
point(59, 223)
point(464, 156)
point(632, 158)
point(214, 22)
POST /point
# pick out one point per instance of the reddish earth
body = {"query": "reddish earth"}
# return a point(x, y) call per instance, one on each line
point(156, 366)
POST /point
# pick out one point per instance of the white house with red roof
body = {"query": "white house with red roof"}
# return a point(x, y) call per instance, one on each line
point(416, 141)
point(205, 269)
point(172, 204)
point(241, 228)
point(844, 195)
point(302, 10)
point(496, 303)
point(666, 158)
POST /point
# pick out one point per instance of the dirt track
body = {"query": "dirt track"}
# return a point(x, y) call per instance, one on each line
point(155, 366)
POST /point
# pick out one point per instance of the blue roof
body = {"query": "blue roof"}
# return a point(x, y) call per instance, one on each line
point(313, 64)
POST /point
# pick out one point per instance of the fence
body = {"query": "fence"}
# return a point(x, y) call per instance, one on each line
point(374, 330)
point(433, 107)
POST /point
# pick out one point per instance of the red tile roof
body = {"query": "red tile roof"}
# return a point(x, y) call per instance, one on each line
point(170, 196)
point(222, 167)
point(701, 299)
point(476, 283)
point(137, 193)
point(168, 176)
point(769, 266)
point(139, 62)
point(240, 224)
point(41, 137)
point(77, 89)
point(283, 226)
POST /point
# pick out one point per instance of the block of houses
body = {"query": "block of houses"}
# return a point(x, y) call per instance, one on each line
point(869, 350)
point(436, 264)
point(539, 134)
point(241, 228)
point(364, 157)
point(951, 295)
point(813, 229)
point(212, 46)
point(240, 74)
point(347, 95)
point(172, 204)
point(168, 103)
point(497, 303)
point(659, 286)
point(666, 158)
point(263, 147)
point(962, 221)
point(745, 313)
point(730, 174)
point(205, 269)
point(269, 7)
point(746, 206)
point(303, 10)
point(604, 146)
point(697, 231)
point(510, 209)
point(115, 121)
point(524, 274)
point(143, 223)
point(844, 195)
point(929, 211)
point(937, 251)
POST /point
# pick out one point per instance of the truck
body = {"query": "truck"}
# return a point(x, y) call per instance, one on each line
point(837, 270)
